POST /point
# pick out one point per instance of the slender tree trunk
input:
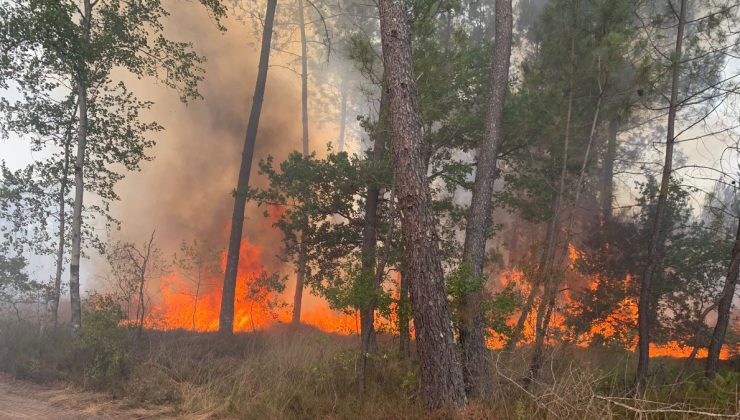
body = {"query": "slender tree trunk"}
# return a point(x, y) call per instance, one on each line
point(472, 322)
point(548, 302)
point(368, 342)
point(653, 256)
point(723, 310)
point(302, 263)
point(370, 227)
point(441, 373)
point(546, 268)
point(62, 202)
point(195, 299)
point(226, 319)
point(516, 334)
point(343, 113)
point(74, 264)
point(607, 176)
point(300, 278)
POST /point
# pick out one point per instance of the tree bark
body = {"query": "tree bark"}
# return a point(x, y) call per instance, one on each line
point(653, 256)
point(472, 321)
point(226, 318)
point(441, 373)
point(370, 227)
point(302, 263)
point(723, 310)
point(300, 278)
point(545, 272)
point(62, 202)
point(74, 264)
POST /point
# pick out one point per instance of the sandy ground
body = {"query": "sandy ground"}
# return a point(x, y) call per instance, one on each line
point(23, 400)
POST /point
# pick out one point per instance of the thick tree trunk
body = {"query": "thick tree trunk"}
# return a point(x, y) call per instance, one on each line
point(226, 319)
point(441, 373)
point(302, 262)
point(653, 257)
point(472, 321)
point(723, 310)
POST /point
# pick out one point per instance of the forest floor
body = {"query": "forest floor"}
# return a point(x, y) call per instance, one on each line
point(27, 400)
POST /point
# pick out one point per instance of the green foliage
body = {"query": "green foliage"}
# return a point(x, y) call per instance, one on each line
point(104, 345)
point(319, 204)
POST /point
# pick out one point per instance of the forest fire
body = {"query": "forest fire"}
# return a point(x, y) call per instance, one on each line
point(191, 303)
point(618, 326)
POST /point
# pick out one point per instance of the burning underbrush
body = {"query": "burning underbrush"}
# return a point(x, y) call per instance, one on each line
point(192, 302)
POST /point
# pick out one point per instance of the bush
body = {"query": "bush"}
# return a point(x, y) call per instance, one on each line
point(104, 346)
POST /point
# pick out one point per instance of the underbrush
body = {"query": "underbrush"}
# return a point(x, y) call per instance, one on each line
point(303, 373)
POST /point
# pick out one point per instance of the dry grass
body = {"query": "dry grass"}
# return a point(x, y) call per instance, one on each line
point(303, 373)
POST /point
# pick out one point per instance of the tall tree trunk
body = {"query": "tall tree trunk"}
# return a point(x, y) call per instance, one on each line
point(546, 268)
point(300, 279)
point(62, 202)
point(74, 264)
point(441, 373)
point(370, 232)
point(302, 262)
point(607, 176)
point(195, 298)
point(653, 256)
point(723, 310)
point(226, 318)
point(368, 334)
point(548, 302)
point(472, 321)
point(343, 112)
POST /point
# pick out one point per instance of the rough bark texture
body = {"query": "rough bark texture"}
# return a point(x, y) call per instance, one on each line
point(441, 373)
point(226, 319)
point(653, 257)
point(301, 274)
point(74, 264)
point(723, 310)
point(472, 321)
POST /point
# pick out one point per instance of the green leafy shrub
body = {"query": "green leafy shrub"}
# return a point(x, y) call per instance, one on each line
point(104, 345)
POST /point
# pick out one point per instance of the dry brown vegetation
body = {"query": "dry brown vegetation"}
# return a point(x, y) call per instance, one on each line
point(289, 372)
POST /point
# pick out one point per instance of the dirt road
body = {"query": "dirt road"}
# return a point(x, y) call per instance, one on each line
point(23, 400)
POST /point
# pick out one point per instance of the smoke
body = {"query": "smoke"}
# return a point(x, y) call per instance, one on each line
point(185, 192)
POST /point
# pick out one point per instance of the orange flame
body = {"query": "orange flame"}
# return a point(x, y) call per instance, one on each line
point(255, 307)
point(619, 325)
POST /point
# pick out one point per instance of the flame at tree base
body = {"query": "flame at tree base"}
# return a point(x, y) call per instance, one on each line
point(186, 305)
